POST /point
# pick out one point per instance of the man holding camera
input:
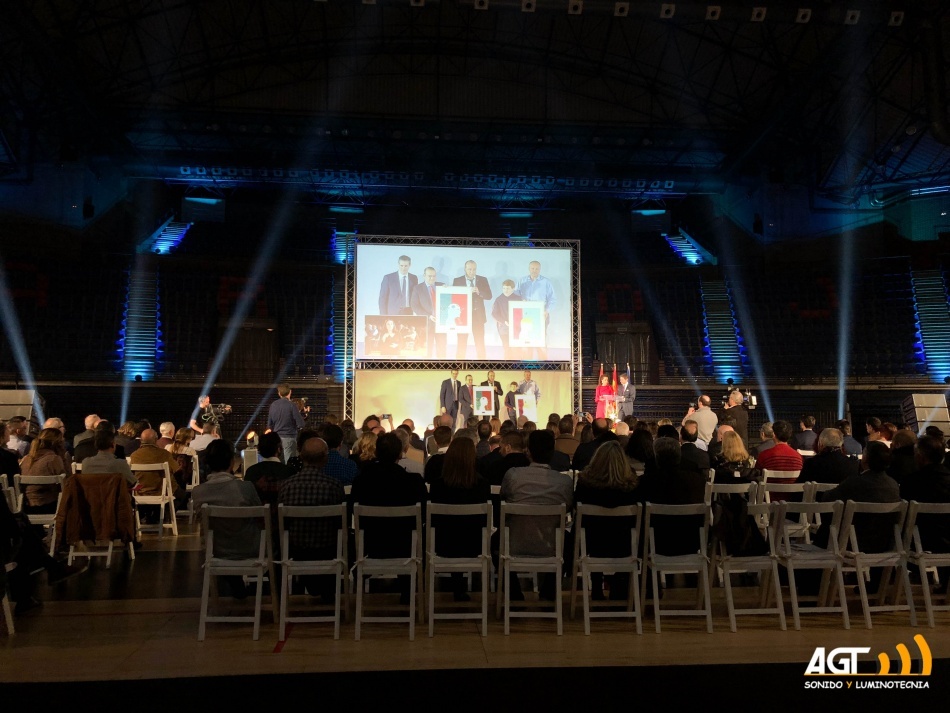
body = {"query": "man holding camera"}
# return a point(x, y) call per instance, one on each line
point(705, 418)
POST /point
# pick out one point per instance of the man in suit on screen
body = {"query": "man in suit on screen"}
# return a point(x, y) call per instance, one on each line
point(423, 303)
point(481, 291)
point(396, 289)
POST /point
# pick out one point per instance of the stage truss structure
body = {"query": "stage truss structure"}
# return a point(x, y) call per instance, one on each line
point(352, 364)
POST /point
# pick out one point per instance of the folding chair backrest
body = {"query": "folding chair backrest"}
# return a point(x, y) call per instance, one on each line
point(873, 527)
point(553, 516)
point(812, 489)
point(286, 514)
point(927, 516)
point(230, 531)
point(766, 489)
point(410, 515)
point(167, 487)
point(587, 515)
point(436, 512)
point(814, 512)
point(788, 476)
point(685, 526)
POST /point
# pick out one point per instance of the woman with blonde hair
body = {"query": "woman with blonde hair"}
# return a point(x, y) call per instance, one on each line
point(608, 482)
point(180, 448)
point(733, 464)
point(47, 456)
point(364, 451)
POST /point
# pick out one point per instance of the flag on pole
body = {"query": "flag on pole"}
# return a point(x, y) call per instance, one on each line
point(628, 372)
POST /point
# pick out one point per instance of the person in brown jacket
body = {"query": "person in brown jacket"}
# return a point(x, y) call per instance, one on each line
point(47, 456)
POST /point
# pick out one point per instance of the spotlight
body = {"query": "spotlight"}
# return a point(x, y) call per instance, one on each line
point(852, 17)
point(528, 6)
point(804, 16)
point(758, 14)
point(481, 4)
point(575, 7)
point(896, 19)
point(252, 439)
point(621, 9)
point(667, 10)
point(713, 12)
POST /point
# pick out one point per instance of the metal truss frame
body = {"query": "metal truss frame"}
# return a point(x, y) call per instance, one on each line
point(353, 364)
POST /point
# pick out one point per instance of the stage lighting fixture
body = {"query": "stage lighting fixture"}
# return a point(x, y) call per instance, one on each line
point(667, 10)
point(252, 439)
point(621, 9)
point(575, 7)
point(527, 6)
point(758, 14)
point(804, 16)
point(852, 17)
point(896, 19)
point(713, 12)
point(481, 4)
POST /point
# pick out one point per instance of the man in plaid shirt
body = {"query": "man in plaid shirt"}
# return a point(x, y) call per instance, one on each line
point(313, 539)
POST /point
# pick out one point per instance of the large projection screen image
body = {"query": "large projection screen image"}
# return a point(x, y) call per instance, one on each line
point(465, 296)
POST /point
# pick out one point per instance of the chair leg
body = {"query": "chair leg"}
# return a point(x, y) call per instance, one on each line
point(656, 599)
point(585, 598)
point(574, 591)
point(284, 595)
point(205, 592)
point(337, 597)
point(730, 604)
point(258, 598)
point(559, 601)
point(776, 583)
point(634, 597)
point(704, 574)
point(412, 604)
point(431, 598)
point(500, 586)
point(8, 616)
point(865, 604)
point(359, 602)
point(844, 599)
point(793, 593)
point(507, 585)
point(928, 601)
point(486, 576)
point(905, 578)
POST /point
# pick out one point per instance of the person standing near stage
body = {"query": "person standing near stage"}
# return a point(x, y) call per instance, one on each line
point(530, 386)
point(481, 291)
point(626, 393)
point(396, 289)
point(510, 405)
point(499, 392)
point(499, 313)
point(285, 420)
point(423, 303)
point(603, 396)
point(467, 399)
point(536, 288)
point(203, 414)
point(449, 396)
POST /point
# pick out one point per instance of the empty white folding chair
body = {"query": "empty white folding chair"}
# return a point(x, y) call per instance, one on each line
point(164, 500)
point(335, 515)
point(796, 555)
point(407, 563)
point(256, 517)
point(550, 520)
point(47, 521)
point(889, 518)
point(439, 564)
point(586, 564)
point(683, 527)
point(934, 520)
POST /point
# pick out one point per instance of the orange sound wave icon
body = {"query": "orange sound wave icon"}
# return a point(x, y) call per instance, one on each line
point(926, 659)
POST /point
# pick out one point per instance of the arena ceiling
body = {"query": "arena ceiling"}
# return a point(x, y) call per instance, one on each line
point(686, 96)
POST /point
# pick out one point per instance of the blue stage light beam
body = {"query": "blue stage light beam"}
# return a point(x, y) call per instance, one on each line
point(845, 307)
point(11, 326)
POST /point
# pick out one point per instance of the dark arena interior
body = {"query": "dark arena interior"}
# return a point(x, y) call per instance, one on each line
point(727, 195)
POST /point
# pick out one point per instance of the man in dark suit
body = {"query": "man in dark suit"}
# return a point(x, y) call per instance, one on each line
point(691, 454)
point(449, 396)
point(499, 392)
point(830, 464)
point(396, 289)
point(467, 398)
point(585, 451)
point(481, 291)
point(423, 303)
point(805, 439)
point(626, 393)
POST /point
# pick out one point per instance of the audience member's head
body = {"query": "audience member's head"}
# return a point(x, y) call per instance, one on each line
point(484, 430)
point(269, 444)
point(904, 438)
point(149, 437)
point(621, 429)
point(930, 451)
point(781, 431)
point(128, 429)
point(733, 449)
point(104, 440)
point(640, 446)
point(667, 430)
point(529, 427)
point(599, 427)
point(688, 432)
point(314, 452)
point(442, 436)
point(91, 421)
point(844, 426)
point(303, 434)
point(512, 442)
point(609, 468)
point(167, 429)
point(332, 435)
point(540, 446)
point(565, 426)
point(468, 433)
point(404, 438)
point(458, 468)
point(766, 431)
point(830, 439)
point(877, 457)
point(218, 456)
point(365, 448)
point(183, 437)
point(668, 454)
point(388, 448)
point(48, 439)
point(807, 422)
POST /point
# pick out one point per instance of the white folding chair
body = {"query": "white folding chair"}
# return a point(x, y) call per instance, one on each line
point(746, 490)
point(805, 453)
point(439, 564)
point(164, 499)
point(212, 517)
point(659, 563)
point(552, 519)
point(290, 567)
point(47, 521)
point(926, 561)
point(91, 547)
point(7, 612)
point(765, 563)
point(408, 564)
point(767, 493)
point(781, 476)
point(796, 555)
point(585, 564)
point(890, 517)
point(9, 493)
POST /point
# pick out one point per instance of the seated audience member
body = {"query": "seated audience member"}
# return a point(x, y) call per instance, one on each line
point(47, 456)
point(336, 466)
point(733, 464)
point(690, 452)
point(383, 482)
point(126, 438)
point(460, 484)
point(805, 439)
point(417, 443)
point(9, 463)
point(482, 448)
point(903, 459)
point(181, 449)
point(150, 482)
point(167, 434)
point(873, 427)
point(294, 463)
point(349, 436)
point(585, 451)
point(536, 484)
point(608, 482)
point(311, 486)
point(715, 445)
point(87, 447)
point(271, 472)
point(413, 452)
point(512, 456)
point(850, 446)
point(766, 439)
point(411, 465)
point(105, 460)
point(780, 456)
point(441, 438)
point(209, 432)
point(529, 427)
point(90, 422)
point(873, 485)
point(16, 432)
point(830, 464)
point(482, 465)
point(888, 430)
point(936, 433)
point(495, 425)
point(566, 442)
point(364, 452)
point(639, 451)
point(233, 539)
point(622, 432)
point(667, 430)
